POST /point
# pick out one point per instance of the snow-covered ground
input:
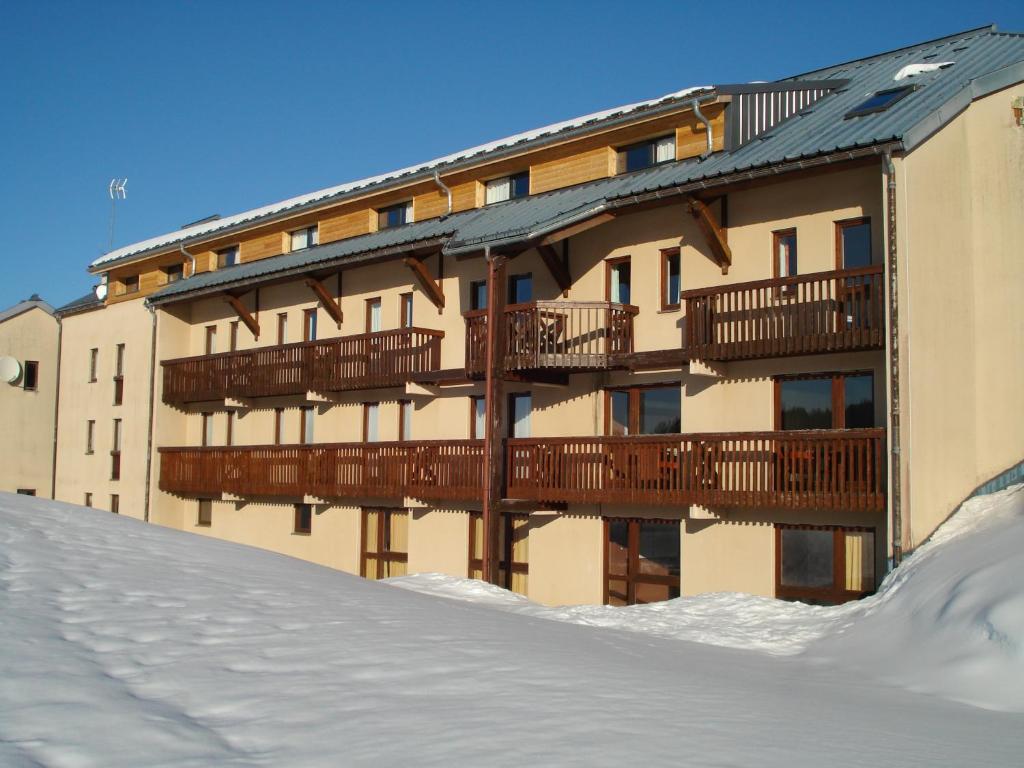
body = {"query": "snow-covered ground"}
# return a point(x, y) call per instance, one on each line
point(124, 644)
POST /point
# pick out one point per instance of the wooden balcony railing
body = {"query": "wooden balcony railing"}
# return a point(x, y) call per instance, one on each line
point(826, 469)
point(364, 361)
point(834, 311)
point(554, 335)
point(435, 469)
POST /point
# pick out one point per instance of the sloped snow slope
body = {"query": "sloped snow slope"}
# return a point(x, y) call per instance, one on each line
point(125, 644)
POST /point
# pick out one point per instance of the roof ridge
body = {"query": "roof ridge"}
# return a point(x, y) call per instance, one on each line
point(987, 29)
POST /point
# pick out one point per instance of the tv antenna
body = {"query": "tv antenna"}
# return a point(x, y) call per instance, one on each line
point(117, 191)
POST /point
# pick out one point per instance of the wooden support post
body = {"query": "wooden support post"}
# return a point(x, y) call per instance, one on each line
point(716, 236)
point(430, 286)
point(494, 455)
point(326, 300)
point(243, 314)
point(558, 266)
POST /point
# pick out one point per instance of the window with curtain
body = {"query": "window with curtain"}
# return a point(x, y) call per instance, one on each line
point(405, 410)
point(309, 325)
point(371, 422)
point(385, 543)
point(824, 565)
point(373, 316)
point(520, 406)
point(405, 303)
point(619, 280)
point(642, 561)
point(306, 237)
point(507, 188)
point(644, 154)
point(671, 283)
point(513, 550)
point(784, 247)
point(308, 414)
point(478, 417)
point(227, 257)
point(394, 215)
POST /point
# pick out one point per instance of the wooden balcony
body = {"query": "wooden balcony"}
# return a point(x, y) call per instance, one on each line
point(563, 336)
point(365, 361)
point(838, 311)
point(436, 469)
point(826, 469)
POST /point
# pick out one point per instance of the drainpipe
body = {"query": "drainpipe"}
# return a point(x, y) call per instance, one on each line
point(894, 363)
point(149, 420)
point(695, 105)
point(493, 464)
point(56, 414)
point(191, 258)
point(447, 191)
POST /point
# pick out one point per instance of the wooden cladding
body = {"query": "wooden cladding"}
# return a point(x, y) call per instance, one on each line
point(836, 311)
point(815, 469)
point(435, 469)
point(555, 335)
point(363, 361)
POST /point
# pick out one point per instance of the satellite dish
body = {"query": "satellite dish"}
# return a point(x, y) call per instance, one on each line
point(101, 291)
point(10, 369)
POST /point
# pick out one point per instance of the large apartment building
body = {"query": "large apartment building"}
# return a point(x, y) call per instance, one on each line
point(760, 337)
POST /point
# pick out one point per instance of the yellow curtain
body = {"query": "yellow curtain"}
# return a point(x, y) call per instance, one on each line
point(860, 561)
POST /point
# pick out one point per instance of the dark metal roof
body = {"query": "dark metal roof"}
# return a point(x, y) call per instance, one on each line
point(985, 60)
point(81, 304)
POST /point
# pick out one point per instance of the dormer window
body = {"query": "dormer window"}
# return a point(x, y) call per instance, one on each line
point(508, 188)
point(881, 101)
point(305, 238)
point(174, 272)
point(647, 153)
point(227, 257)
point(130, 283)
point(394, 215)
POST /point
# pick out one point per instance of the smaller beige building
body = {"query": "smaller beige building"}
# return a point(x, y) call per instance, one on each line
point(29, 350)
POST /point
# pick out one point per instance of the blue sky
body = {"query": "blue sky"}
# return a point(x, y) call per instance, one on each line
point(216, 107)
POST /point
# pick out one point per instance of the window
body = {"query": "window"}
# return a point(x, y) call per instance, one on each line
point(784, 253)
point(520, 289)
point(229, 434)
point(26, 491)
point(880, 101)
point(617, 277)
point(394, 216)
point(371, 422)
point(309, 325)
point(519, 407)
point(840, 401)
point(824, 564)
point(90, 436)
point(207, 429)
point(204, 515)
point(233, 336)
point(282, 327)
point(115, 452)
point(227, 257)
point(119, 375)
point(88, 499)
point(385, 543)
point(94, 355)
point(478, 294)
point(853, 243)
point(115, 503)
point(174, 273)
point(306, 425)
point(305, 238)
point(405, 419)
point(641, 561)
point(373, 315)
point(30, 378)
point(278, 419)
point(130, 283)
point(671, 284)
point(652, 410)
point(405, 305)
point(647, 153)
point(211, 339)
point(303, 518)
point(507, 188)
point(477, 417)
point(513, 550)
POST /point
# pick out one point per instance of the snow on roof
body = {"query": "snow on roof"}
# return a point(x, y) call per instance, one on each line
point(324, 194)
point(912, 70)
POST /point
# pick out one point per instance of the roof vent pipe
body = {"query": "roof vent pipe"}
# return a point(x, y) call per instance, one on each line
point(695, 105)
point(446, 190)
point(191, 259)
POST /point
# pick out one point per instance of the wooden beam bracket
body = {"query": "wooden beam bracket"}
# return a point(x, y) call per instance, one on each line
point(430, 286)
point(326, 300)
point(558, 265)
point(716, 236)
point(243, 314)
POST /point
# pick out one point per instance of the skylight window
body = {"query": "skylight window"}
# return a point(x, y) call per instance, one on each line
point(880, 101)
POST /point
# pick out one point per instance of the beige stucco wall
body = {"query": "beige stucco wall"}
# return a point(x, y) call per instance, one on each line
point(78, 473)
point(26, 452)
point(960, 205)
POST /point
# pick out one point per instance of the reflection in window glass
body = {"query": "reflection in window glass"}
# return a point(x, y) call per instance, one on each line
point(478, 294)
point(619, 283)
point(521, 407)
point(520, 288)
point(859, 400)
point(620, 412)
point(806, 403)
point(659, 549)
point(807, 558)
point(855, 241)
point(660, 411)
